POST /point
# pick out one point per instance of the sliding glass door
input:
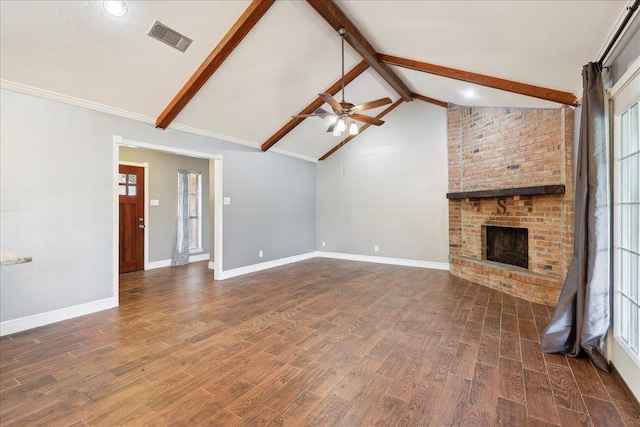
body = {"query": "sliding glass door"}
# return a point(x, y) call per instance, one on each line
point(625, 346)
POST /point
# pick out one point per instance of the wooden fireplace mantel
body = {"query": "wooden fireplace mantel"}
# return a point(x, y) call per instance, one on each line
point(505, 192)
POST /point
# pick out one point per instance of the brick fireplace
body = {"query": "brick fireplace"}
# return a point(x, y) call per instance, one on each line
point(511, 168)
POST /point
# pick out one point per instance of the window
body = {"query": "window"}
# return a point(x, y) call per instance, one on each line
point(625, 346)
point(195, 212)
point(127, 184)
point(628, 242)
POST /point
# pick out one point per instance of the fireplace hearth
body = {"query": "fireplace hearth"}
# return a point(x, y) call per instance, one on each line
point(508, 245)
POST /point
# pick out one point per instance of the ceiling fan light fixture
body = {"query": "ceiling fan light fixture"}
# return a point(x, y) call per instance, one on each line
point(345, 113)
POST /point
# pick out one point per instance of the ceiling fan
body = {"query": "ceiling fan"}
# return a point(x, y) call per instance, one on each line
point(345, 112)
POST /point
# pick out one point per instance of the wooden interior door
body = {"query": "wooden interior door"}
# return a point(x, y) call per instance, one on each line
point(131, 218)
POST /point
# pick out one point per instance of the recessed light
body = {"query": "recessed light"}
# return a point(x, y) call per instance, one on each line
point(469, 93)
point(115, 7)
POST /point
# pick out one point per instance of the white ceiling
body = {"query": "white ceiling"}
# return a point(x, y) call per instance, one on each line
point(75, 48)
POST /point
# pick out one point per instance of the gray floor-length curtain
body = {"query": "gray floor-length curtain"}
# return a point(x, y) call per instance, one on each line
point(181, 253)
point(581, 319)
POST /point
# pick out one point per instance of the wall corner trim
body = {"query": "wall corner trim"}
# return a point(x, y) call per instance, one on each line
point(29, 322)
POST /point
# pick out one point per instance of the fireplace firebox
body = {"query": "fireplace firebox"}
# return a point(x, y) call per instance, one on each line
point(508, 245)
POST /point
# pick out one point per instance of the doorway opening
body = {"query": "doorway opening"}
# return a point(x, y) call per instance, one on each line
point(214, 204)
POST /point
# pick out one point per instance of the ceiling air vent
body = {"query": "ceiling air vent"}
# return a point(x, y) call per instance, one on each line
point(161, 32)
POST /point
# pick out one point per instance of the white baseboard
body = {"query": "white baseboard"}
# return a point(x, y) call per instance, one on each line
point(29, 322)
point(167, 262)
point(385, 260)
point(22, 324)
point(227, 274)
point(160, 264)
point(335, 255)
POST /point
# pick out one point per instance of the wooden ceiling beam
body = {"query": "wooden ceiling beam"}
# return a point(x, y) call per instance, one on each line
point(337, 19)
point(315, 104)
point(229, 42)
point(484, 80)
point(362, 129)
point(431, 100)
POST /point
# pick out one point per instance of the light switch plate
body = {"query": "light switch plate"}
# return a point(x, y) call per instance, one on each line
point(226, 200)
point(155, 202)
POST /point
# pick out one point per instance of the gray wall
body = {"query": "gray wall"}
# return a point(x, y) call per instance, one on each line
point(271, 206)
point(387, 187)
point(163, 186)
point(624, 54)
point(56, 172)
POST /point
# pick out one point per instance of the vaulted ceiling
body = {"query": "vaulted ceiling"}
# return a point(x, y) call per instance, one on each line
point(252, 65)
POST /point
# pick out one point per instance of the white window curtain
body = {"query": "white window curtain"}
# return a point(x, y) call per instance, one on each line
point(181, 253)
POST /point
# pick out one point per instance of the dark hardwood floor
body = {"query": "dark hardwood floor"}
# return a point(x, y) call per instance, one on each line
point(317, 343)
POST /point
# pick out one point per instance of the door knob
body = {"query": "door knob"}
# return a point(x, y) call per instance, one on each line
point(141, 226)
point(140, 219)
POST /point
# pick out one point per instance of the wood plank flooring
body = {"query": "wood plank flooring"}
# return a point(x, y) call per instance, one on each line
point(317, 343)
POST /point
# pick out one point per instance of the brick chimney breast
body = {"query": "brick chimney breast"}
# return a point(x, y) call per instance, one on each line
point(506, 148)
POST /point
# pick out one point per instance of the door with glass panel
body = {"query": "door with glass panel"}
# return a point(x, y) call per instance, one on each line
point(131, 218)
point(625, 346)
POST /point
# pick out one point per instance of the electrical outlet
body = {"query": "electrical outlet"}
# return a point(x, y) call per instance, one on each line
point(376, 248)
point(324, 244)
point(260, 254)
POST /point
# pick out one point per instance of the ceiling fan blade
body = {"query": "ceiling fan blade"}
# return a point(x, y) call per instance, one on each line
point(331, 101)
point(367, 119)
point(320, 112)
point(304, 116)
point(372, 104)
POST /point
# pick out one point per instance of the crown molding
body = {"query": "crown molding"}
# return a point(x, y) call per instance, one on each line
point(296, 155)
point(66, 99)
point(90, 105)
point(213, 135)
